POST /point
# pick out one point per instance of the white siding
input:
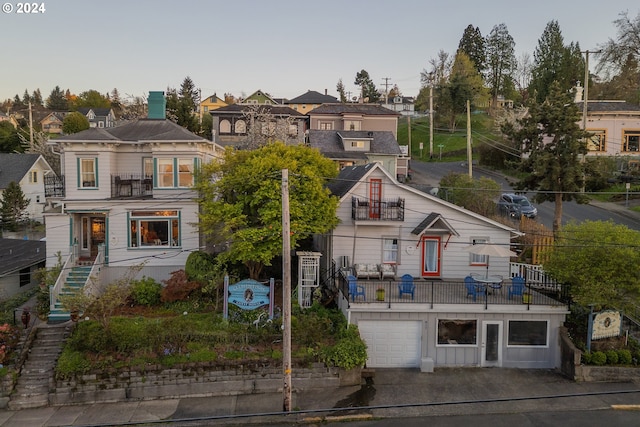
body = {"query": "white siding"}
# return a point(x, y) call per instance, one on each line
point(57, 226)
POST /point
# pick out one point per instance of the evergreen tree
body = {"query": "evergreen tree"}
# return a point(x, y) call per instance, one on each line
point(36, 98)
point(9, 138)
point(57, 101)
point(473, 44)
point(26, 98)
point(501, 62)
point(116, 103)
point(189, 94)
point(367, 87)
point(12, 206)
point(553, 61)
point(341, 91)
point(552, 144)
point(17, 102)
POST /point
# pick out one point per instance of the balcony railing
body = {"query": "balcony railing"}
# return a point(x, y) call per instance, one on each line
point(377, 210)
point(54, 186)
point(433, 293)
point(129, 185)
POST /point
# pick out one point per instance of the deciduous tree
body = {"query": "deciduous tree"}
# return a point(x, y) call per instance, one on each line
point(501, 62)
point(74, 122)
point(341, 91)
point(9, 138)
point(599, 260)
point(241, 201)
point(476, 195)
point(616, 53)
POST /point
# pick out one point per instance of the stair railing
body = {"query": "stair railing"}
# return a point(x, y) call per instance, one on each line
point(62, 277)
point(94, 275)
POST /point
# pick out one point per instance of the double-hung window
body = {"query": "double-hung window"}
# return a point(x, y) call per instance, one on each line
point(87, 172)
point(389, 250)
point(631, 140)
point(175, 172)
point(165, 173)
point(185, 172)
point(478, 259)
point(154, 228)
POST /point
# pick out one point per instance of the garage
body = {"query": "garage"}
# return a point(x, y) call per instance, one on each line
point(392, 343)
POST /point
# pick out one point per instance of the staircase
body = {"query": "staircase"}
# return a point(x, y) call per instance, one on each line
point(75, 281)
point(37, 374)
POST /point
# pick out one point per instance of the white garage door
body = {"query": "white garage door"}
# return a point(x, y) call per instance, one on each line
point(392, 343)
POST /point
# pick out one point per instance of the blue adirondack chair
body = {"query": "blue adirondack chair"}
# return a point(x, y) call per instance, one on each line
point(517, 286)
point(355, 289)
point(473, 288)
point(406, 286)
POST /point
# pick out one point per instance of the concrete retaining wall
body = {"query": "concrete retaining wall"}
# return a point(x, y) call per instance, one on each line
point(198, 380)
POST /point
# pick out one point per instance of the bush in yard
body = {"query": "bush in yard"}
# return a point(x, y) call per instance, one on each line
point(349, 352)
point(586, 358)
point(624, 357)
point(612, 357)
point(146, 291)
point(178, 287)
point(598, 358)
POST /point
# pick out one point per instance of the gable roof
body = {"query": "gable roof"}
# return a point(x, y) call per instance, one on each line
point(430, 221)
point(100, 112)
point(14, 166)
point(364, 109)
point(349, 177)
point(259, 93)
point(329, 142)
point(140, 130)
point(18, 254)
point(312, 97)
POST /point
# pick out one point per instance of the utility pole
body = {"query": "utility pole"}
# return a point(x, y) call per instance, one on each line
point(585, 99)
point(409, 133)
point(200, 105)
point(431, 122)
point(30, 124)
point(469, 156)
point(386, 89)
point(286, 293)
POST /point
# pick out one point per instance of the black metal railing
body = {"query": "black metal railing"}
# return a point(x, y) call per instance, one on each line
point(447, 292)
point(377, 210)
point(125, 185)
point(54, 186)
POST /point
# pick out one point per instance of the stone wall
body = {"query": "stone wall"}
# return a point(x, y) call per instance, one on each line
point(193, 380)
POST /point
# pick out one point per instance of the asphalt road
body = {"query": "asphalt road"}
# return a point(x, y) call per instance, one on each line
point(429, 174)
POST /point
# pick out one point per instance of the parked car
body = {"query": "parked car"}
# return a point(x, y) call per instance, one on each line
point(515, 205)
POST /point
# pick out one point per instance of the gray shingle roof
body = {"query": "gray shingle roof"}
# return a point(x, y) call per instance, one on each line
point(347, 178)
point(14, 166)
point(138, 130)
point(365, 109)
point(100, 112)
point(329, 142)
point(312, 97)
point(609, 106)
point(18, 254)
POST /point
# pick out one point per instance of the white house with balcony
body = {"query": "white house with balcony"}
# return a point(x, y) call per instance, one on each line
point(126, 197)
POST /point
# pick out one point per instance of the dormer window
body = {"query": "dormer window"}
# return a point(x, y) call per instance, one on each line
point(357, 144)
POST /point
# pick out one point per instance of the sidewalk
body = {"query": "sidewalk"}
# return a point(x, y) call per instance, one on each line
point(391, 393)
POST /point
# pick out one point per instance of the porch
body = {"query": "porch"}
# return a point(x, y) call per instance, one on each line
point(386, 293)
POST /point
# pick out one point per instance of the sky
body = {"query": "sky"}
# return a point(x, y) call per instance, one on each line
point(282, 47)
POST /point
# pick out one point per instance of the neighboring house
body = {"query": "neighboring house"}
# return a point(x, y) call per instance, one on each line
point(211, 103)
point(52, 122)
point(404, 105)
point(310, 100)
point(349, 148)
point(361, 117)
point(4, 117)
point(258, 98)
point(29, 171)
point(232, 125)
point(19, 260)
point(127, 196)
point(615, 126)
point(99, 117)
point(437, 323)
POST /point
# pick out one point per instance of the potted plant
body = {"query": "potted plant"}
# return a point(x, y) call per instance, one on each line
point(527, 297)
point(380, 294)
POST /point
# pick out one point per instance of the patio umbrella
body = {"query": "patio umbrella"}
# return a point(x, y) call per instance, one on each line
point(488, 250)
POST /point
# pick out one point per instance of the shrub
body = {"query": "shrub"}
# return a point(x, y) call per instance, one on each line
point(349, 352)
point(178, 287)
point(624, 357)
point(199, 267)
point(146, 291)
point(598, 358)
point(9, 336)
point(586, 357)
point(71, 363)
point(612, 357)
